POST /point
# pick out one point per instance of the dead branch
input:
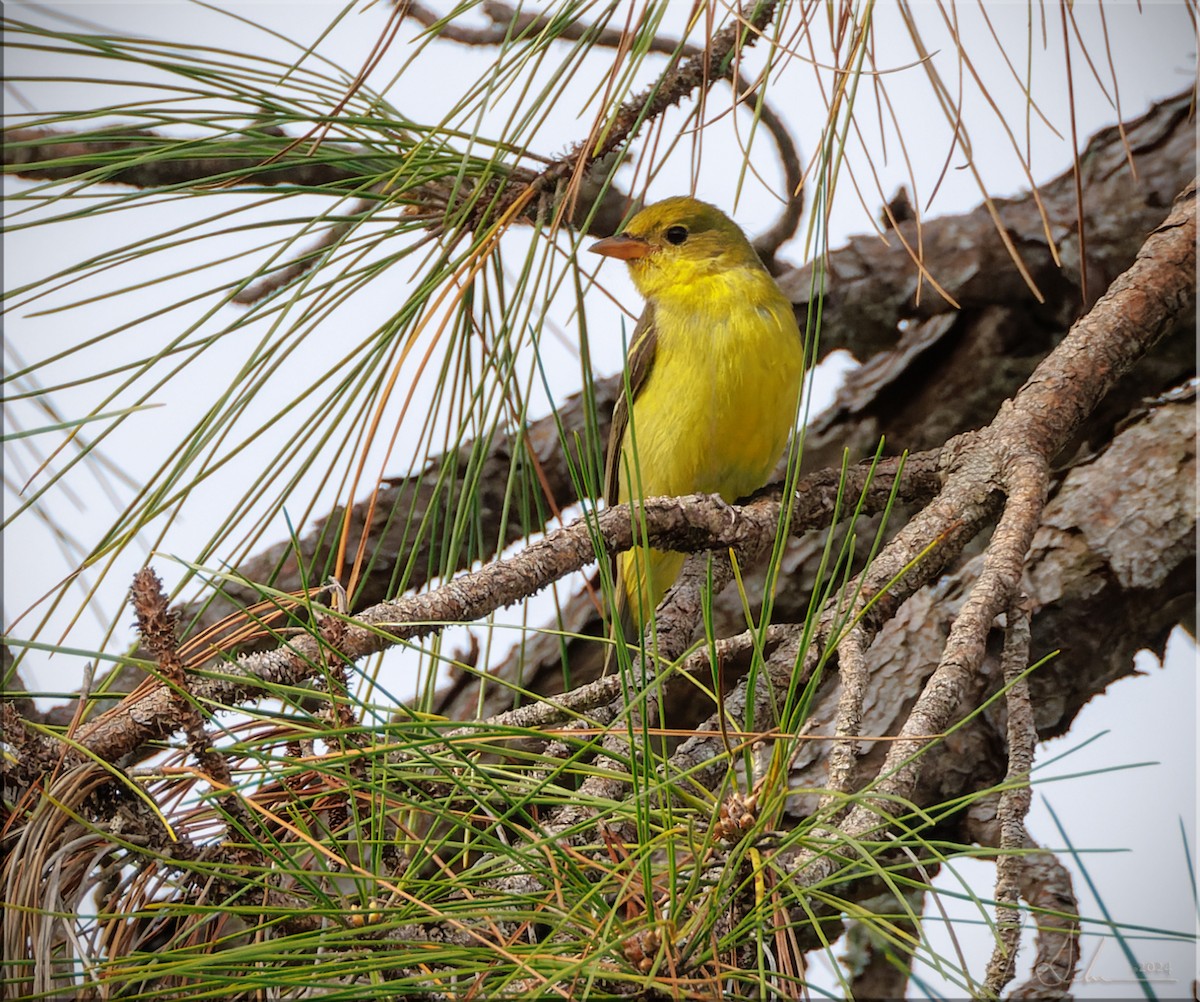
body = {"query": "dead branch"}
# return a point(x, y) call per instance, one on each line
point(1045, 886)
point(1015, 799)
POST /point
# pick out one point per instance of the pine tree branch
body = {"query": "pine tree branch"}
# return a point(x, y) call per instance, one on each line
point(696, 522)
point(45, 154)
point(509, 23)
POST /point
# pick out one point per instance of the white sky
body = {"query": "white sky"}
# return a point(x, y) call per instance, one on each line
point(1142, 719)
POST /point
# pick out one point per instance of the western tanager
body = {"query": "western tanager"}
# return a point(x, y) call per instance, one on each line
point(715, 368)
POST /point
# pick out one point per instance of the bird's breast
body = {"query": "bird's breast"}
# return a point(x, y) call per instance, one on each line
point(720, 401)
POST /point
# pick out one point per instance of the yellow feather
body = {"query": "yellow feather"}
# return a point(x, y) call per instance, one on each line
point(714, 412)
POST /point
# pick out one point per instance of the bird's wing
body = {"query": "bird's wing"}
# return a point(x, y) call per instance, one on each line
point(641, 361)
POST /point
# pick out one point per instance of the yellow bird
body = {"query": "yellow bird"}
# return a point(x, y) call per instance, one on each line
point(715, 369)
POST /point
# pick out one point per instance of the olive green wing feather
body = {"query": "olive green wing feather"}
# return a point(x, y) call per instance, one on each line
point(640, 362)
point(639, 365)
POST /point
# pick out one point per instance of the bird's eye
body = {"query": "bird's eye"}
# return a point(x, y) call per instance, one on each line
point(676, 234)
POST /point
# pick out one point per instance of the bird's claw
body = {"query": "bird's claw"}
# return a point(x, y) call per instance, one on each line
point(724, 505)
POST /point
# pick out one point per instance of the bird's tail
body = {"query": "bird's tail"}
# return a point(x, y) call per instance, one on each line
point(623, 630)
point(642, 577)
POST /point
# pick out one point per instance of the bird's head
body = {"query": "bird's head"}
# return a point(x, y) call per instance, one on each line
point(677, 241)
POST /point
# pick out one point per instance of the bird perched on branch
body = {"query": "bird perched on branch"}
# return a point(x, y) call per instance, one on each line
point(715, 368)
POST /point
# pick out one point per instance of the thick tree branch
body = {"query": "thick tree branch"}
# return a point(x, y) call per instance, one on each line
point(914, 372)
point(1004, 455)
point(1094, 513)
point(1110, 572)
point(967, 767)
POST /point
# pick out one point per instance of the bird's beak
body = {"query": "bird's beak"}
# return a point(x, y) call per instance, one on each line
point(622, 246)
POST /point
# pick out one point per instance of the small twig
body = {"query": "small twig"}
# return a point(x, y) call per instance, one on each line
point(854, 679)
point(1045, 885)
point(768, 242)
point(300, 265)
point(1014, 801)
point(702, 69)
point(508, 22)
